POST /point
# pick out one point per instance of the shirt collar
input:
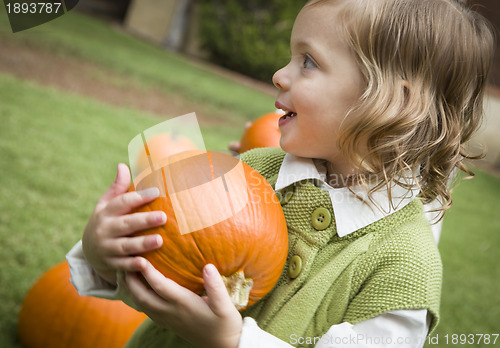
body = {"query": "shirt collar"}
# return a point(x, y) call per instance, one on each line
point(350, 212)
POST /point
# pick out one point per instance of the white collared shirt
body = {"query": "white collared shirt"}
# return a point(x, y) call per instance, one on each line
point(350, 212)
point(401, 328)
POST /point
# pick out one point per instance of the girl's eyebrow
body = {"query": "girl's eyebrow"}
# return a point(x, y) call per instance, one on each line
point(303, 45)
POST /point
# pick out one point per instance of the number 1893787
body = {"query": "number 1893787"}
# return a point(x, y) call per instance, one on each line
point(471, 338)
point(34, 7)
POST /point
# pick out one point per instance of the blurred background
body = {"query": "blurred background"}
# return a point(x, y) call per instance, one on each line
point(249, 37)
point(76, 90)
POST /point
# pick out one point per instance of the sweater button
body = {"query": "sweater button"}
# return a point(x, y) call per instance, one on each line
point(295, 267)
point(321, 219)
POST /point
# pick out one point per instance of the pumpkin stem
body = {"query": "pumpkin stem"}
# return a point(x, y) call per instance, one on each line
point(238, 288)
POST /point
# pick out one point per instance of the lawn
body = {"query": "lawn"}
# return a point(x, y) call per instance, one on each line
point(470, 249)
point(59, 151)
point(74, 35)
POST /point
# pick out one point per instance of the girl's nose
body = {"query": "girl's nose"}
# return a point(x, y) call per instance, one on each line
point(281, 79)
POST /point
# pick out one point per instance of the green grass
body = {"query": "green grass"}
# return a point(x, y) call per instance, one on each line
point(470, 249)
point(78, 36)
point(58, 153)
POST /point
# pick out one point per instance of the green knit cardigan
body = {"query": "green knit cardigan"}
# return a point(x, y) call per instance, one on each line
point(392, 264)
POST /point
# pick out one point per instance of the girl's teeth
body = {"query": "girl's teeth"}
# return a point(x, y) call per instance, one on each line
point(290, 114)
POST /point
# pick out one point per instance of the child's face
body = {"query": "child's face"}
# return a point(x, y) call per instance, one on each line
point(319, 85)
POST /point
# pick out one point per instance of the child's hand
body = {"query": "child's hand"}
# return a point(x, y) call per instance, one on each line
point(208, 321)
point(106, 242)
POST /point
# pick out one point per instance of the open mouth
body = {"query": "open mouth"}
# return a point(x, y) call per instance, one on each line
point(288, 115)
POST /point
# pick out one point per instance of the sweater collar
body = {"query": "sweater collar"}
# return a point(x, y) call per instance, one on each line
point(350, 212)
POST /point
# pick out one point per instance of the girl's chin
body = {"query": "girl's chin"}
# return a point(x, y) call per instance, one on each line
point(297, 148)
point(291, 147)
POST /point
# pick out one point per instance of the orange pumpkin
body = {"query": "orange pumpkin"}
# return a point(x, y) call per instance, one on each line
point(54, 315)
point(158, 149)
point(220, 211)
point(264, 132)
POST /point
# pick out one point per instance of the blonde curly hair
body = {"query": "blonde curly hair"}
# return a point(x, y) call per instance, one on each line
point(426, 65)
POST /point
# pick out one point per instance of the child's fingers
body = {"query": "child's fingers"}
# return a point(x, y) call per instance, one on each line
point(234, 146)
point(166, 288)
point(217, 297)
point(128, 201)
point(128, 264)
point(133, 245)
point(119, 186)
point(125, 225)
point(145, 297)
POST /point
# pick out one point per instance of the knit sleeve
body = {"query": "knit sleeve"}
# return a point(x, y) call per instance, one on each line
point(266, 161)
point(401, 271)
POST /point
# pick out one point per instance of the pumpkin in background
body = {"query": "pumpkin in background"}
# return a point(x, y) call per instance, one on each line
point(159, 148)
point(54, 315)
point(220, 211)
point(264, 132)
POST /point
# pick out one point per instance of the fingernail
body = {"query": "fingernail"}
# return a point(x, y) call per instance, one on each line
point(154, 241)
point(162, 217)
point(150, 192)
point(210, 269)
point(159, 240)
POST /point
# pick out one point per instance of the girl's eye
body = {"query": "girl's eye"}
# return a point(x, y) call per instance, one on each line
point(308, 62)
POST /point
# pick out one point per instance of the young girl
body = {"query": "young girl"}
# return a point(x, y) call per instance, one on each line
point(380, 97)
